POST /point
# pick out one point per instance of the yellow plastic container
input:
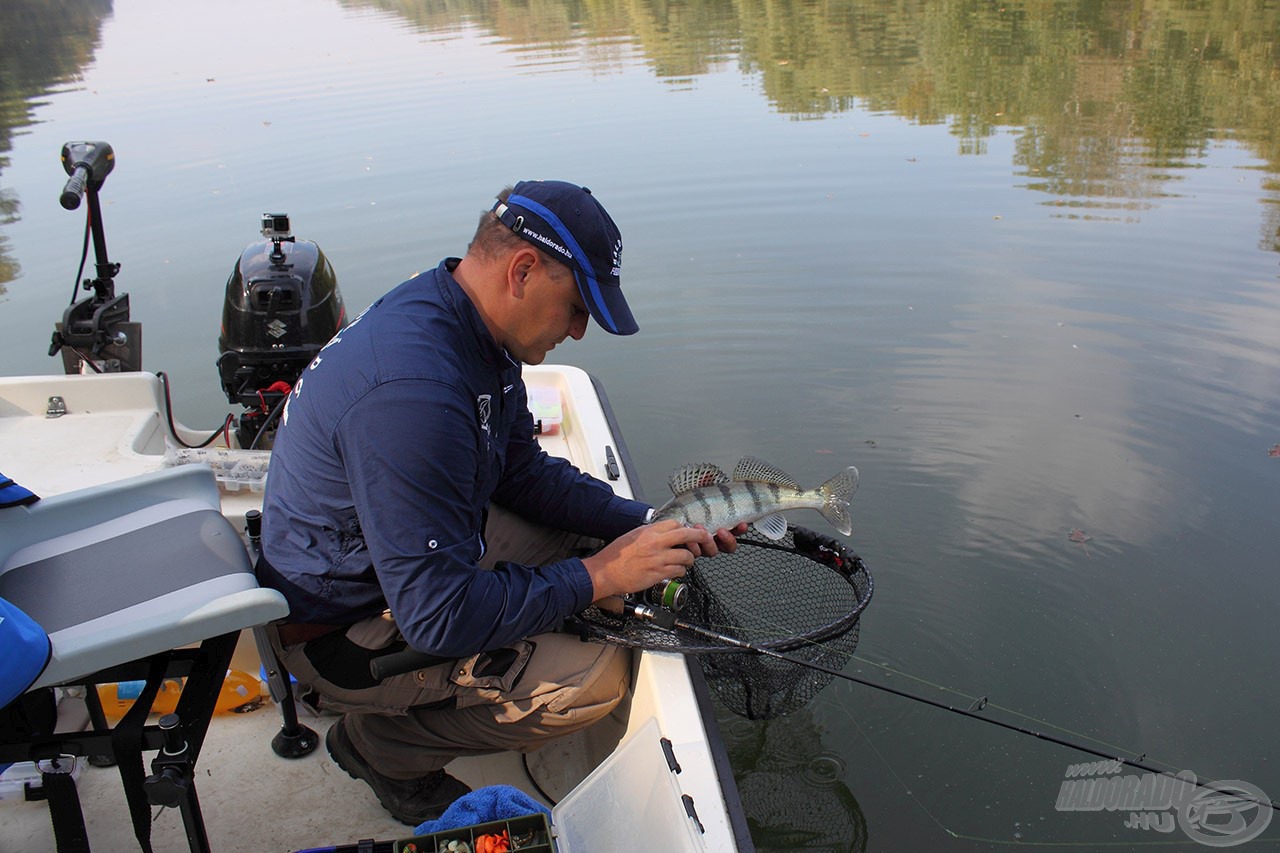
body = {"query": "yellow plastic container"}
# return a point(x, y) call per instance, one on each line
point(118, 698)
point(238, 689)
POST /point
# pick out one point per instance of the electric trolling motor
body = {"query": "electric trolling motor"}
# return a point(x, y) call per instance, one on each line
point(95, 333)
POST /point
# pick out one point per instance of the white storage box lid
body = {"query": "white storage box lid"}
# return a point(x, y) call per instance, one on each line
point(633, 787)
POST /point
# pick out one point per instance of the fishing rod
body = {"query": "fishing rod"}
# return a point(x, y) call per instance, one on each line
point(668, 621)
point(1136, 763)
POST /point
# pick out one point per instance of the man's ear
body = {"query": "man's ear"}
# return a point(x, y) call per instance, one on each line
point(519, 269)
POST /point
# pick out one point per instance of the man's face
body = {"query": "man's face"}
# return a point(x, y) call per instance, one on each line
point(553, 310)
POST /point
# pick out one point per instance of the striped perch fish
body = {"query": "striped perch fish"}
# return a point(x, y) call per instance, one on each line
point(757, 493)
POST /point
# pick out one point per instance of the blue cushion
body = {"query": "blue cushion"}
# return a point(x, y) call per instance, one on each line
point(11, 494)
point(26, 652)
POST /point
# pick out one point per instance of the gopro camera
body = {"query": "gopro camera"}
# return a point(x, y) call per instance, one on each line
point(275, 226)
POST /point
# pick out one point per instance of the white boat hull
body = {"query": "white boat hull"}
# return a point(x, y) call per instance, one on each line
point(114, 427)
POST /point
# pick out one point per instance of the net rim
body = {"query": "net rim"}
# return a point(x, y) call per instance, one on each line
point(596, 625)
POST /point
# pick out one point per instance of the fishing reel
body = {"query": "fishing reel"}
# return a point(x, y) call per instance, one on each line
point(670, 594)
point(660, 604)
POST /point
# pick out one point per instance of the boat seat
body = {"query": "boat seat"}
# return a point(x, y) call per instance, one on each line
point(139, 579)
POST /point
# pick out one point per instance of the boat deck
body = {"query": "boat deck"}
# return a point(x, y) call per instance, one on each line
point(252, 799)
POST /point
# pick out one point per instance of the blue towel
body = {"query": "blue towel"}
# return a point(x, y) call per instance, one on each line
point(496, 802)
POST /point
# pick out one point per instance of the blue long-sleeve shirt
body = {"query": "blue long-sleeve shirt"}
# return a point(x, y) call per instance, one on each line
point(393, 443)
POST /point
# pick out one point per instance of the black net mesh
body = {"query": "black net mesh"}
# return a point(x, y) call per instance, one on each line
point(801, 595)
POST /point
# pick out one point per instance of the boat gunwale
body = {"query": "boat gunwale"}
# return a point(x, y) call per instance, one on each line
point(734, 809)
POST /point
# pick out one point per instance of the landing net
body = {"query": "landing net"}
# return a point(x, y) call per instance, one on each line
point(801, 595)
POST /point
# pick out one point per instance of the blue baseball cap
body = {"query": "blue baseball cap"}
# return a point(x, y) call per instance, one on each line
point(565, 221)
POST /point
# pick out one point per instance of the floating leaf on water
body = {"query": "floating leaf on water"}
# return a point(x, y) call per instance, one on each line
point(1274, 452)
point(1079, 536)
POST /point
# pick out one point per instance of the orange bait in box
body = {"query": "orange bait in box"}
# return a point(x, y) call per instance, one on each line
point(494, 843)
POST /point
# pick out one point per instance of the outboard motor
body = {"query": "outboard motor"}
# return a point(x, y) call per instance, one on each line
point(282, 306)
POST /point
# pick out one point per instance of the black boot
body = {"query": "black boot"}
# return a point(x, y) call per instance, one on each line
point(410, 801)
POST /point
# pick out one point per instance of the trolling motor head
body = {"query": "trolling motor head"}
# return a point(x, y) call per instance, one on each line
point(282, 306)
point(86, 164)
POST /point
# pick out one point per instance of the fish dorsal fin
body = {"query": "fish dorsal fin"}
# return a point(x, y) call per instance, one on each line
point(692, 477)
point(753, 470)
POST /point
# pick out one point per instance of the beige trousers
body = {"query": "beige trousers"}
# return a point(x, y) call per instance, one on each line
point(516, 698)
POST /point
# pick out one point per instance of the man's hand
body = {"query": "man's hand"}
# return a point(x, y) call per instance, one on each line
point(724, 540)
point(639, 559)
point(652, 553)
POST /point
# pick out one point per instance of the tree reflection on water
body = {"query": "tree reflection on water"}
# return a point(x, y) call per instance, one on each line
point(1107, 101)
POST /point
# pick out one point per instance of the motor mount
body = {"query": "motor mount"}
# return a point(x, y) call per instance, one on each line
point(282, 306)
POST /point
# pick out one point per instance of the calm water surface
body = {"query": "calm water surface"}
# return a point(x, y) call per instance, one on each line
point(1017, 262)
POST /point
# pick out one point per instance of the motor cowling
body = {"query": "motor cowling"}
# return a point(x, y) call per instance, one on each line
point(282, 306)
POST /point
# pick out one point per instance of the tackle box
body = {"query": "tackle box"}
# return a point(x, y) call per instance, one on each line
point(531, 833)
point(233, 469)
point(638, 781)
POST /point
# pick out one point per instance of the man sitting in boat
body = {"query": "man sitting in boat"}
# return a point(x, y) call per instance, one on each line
point(409, 503)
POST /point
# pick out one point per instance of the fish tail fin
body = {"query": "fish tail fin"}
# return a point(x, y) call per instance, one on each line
point(836, 494)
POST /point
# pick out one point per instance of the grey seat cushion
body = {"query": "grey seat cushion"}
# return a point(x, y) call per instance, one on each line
point(169, 574)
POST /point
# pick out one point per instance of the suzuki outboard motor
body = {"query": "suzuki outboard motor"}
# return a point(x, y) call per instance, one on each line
point(282, 307)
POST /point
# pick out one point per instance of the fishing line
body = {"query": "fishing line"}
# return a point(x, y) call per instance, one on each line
point(988, 704)
point(1137, 763)
point(889, 767)
point(983, 700)
point(1010, 842)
